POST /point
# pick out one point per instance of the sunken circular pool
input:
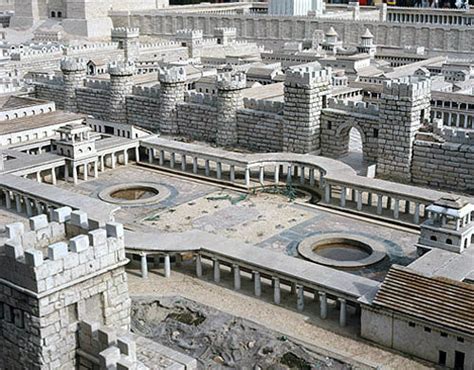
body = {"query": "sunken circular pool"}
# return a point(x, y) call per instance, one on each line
point(134, 193)
point(341, 250)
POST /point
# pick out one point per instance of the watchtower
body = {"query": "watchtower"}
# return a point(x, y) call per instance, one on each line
point(74, 74)
point(128, 40)
point(404, 106)
point(172, 88)
point(52, 275)
point(121, 85)
point(192, 39)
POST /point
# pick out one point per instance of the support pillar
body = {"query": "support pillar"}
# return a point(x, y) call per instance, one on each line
point(300, 298)
point(416, 216)
point(29, 210)
point(257, 283)
point(172, 160)
point(8, 200)
point(207, 169)
point(342, 312)
point(18, 203)
point(167, 266)
point(379, 204)
point(343, 197)
point(236, 270)
point(396, 209)
point(359, 200)
point(323, 305)
point(195, 165)
point(144, 266)
point(261, 176)
point(247, 177)
point(276, 290)
point(232, 173)
point(183, 162)
point(277, 174)
point(53, 176)
point(217, 270)
point(198, 265)
point(74, 174)
point(219, 170)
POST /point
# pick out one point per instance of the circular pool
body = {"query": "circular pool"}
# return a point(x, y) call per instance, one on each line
point(134, 193)
point(341, 250)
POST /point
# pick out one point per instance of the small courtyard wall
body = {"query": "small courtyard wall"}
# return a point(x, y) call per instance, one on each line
point(197, 121)
point(93, 102)
point(143, 107)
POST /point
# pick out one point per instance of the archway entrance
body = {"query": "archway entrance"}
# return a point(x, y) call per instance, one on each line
point(352, 140)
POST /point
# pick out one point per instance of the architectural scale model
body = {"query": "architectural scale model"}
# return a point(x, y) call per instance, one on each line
point(285, 185)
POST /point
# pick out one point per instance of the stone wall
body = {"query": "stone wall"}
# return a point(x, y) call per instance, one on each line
point(272, 30)
point(143, 111)
point(197, 121)
point(93, 102)
point(335, 130)
point(260, 131)
point(51, 92)
point(53, 275)
point(443, 165)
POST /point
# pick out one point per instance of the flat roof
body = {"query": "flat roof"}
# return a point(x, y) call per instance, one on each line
point(37, 121)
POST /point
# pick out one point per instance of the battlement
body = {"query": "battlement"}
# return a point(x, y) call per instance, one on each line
point(125, 32)
point(71, 65)
point(307, 76)
point(407, 87)
point(30, 54)
point(189, 34)
point(353, 106)
point(231, 81)
point(456, 135)
point(96, 47)
point(53, 254)
point(200, 98)
point(225, 31)
point(172, 75)
point(159, 45)
point(150, 92)
point(275, 107)
point(47, 79)
point(108, 346)
point(97, 84)
point(121, 68)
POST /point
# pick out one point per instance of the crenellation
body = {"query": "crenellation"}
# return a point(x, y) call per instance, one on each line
point(270, 106)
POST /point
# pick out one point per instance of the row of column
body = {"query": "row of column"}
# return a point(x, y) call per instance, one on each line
point(453, 119)
point(292, 171)
point(427, 18)
point(391, 204)
point(156, 263)
point(22, 203)
point(296, 288)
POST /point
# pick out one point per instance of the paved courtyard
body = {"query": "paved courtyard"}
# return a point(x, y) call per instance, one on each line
point(265, 220)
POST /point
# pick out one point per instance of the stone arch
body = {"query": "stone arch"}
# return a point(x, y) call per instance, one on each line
point(342, 137)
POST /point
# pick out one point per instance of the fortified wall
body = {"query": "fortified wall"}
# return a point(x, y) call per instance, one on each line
point(305, 122)
point(272, 30)
point(52, 276)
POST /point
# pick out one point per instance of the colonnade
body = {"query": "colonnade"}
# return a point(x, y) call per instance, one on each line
point(297, 288)
point(371, 201)
point(12, 199)
point(233, 171)
point(454, 119)
point(418, 17)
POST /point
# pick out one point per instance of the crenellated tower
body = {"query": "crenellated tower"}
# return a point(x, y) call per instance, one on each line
point(172, 86)
point(121, 85)
point(128, 40)
point(304, 91)
point(74, 74)
point(52, 276)
point(229, 101)
point(403, 108)
point(192, 39)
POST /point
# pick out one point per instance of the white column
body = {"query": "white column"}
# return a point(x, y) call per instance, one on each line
point(162, 158)
point(276, 290)
point(232, 173)
point(327, 193)
point(379, 204)
point(302, 175)
point(277, 174)
point(27, 202)
point(288, 175)
point(102, 163)
point(311, 176)
point(261, 175)
point(86, 171)
point(195, 165)
point(53, 176)
point(8, 200)
point(125, 157)
point(299, 297)
point(172, 159)
point(257, 283)
point(96, 169)
point(38, 176)
point(247, 176)
point(396, 209)
point(167, 266)
point(359, 200)
point(113, 160)
point(74, 174)
point(219, 170)
point(342, 312)
point(144, 266)
point(217, 270)
point(323, 305)
point(206, 167)
point(236, 270)
point(343, 197)
point(198, 265)
point(137, 154)
point(66, 172)
point(183, 162)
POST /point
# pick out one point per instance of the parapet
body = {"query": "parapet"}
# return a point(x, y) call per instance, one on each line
point(307, 76)
point(225, 31)
point(269, 106)
point(410, 87)
point(111, 348)
point(353, 106)
point(121, 68)
point(97, 84)
point(71, 65)
point(53, 254)
point(231, 81)
point(456, 135)
point(189, 34)
point(125, 32)
point(200, 98)
point(149, 92)
point(172, 75)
